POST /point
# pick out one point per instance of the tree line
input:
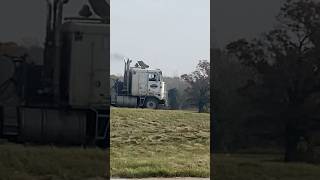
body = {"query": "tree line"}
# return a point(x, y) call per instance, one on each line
point(267, 89)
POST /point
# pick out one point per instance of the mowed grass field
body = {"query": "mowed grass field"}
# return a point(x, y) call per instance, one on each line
point(26, 162)
point(148, 143)
point(261, 167)
point(159, 143)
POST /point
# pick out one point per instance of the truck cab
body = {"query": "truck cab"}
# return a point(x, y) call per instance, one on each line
point(147, 82)
point(142, 87)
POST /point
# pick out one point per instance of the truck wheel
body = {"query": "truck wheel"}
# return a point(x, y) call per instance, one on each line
point(151, 103)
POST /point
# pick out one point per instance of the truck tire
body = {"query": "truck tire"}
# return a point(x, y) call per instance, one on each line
point(151, 103)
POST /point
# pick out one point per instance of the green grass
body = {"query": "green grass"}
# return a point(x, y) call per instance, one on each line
point(148, 143)
point(159, 143)
point(261, 167)
point(18, 162)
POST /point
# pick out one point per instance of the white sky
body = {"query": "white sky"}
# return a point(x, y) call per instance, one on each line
point(234, 19)
point(172, 35)
point(168, 34)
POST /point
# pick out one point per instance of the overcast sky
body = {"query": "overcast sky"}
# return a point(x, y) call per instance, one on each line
point(168, 34)
point(233, 19)
point(25, 19)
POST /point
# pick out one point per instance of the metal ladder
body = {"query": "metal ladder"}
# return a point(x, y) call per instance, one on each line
point(102, 122)
point(10, 126)
point(142, 99)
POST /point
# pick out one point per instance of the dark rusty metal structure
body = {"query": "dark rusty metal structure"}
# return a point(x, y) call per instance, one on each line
point(65, 100)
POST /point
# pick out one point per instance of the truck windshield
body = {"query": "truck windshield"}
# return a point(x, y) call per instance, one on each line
point(153, 77)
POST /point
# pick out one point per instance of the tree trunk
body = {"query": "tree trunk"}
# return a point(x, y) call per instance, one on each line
point(299, 147)
point(291, 142)
point(200, 107)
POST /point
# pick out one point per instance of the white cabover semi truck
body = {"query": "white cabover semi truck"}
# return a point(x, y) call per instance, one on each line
point(141, 87)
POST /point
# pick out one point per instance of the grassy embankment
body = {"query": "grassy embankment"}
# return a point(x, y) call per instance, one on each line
point(18, 162)
point(159, 143)
point(261, 167)
point(148, 143)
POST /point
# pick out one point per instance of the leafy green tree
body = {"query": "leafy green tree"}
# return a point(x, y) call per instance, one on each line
point(173, 98)
point(180, 85)
point(199, 90)
point(285, 63)
point(229, 108)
